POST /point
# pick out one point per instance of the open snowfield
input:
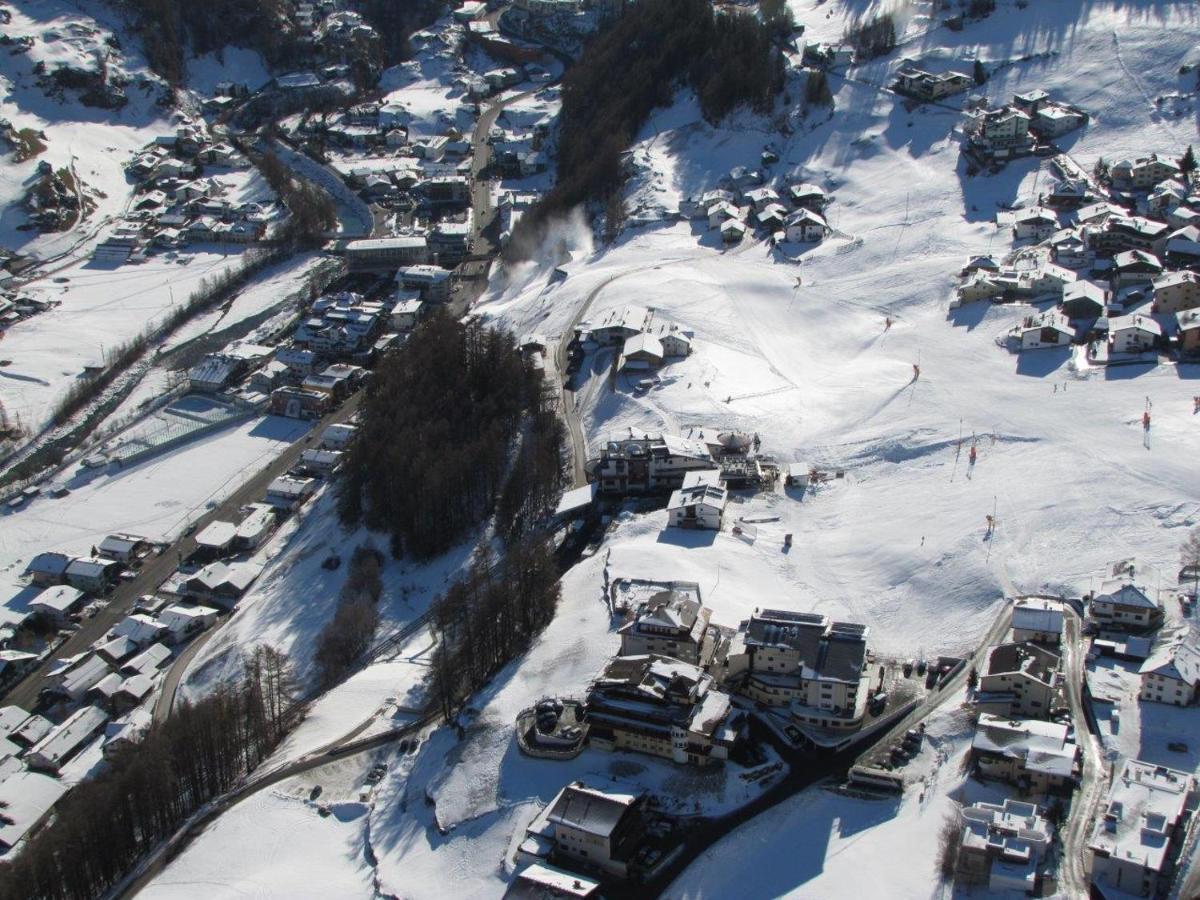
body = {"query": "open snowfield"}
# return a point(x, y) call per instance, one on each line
point(793, 345)
point(274, 845)
point(102, 308)
point(155, 499)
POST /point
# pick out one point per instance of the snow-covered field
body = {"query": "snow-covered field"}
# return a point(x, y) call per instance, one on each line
point(800, 353)
point(155, 499)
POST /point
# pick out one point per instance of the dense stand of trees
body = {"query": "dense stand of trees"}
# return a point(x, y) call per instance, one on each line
point(874, 37)
point(395, 21)
point(313, 210)
point(489, 617)
point(168, 26)
point(536, 478)
point(346, 637)
point(439, 425)
point(104, 826)
point(652, 50)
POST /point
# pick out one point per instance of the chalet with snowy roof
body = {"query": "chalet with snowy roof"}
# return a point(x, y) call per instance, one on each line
point(1133, 333)
point(338, 436)
point(57, 604)
point(1034, 755)
point(1136, 267)
point(1019, 679)
point(288, 493)
point(619, 325)
point(673, 623)
point(222, 584)
point(803, 661)
point(701, 506)
point(1050, 330)
point(1123, 604)
point(1124, 232)
point(92, 574)
point(77, 676)
point(600, 829)
point(807, 196)
point(1133, 845)
point(805, 226)
point(1143, 173)
point(47, 568)
point(1037, 619)
point(1176, 291)
point(662, 707)
point(27, 799)
point(1003, 128)
point(720, 213)
point(641, 351)
point(732, 232)
point(1084, 300)
point(1172, 674)
point(433, 282)
point(1183, 246)
point(1055, 120)
point(1036, 223)
point(699, 207)
point(541, 881)
point(762, 198)
point(124, 547)
point(184, 621)
point(52, 752)
point(1070, 194)
point(771, 219)
point(1002, 846)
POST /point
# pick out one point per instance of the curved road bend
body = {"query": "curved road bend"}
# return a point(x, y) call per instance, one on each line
point(343, 749)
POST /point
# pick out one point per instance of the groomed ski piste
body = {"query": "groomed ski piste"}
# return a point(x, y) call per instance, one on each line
point(794, 344)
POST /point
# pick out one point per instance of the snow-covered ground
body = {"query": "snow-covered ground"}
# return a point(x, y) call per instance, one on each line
point(800, 353)
point(101, 309)
point(155, 498)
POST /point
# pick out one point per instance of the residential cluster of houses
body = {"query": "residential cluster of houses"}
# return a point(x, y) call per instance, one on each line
point(670, 691)
point(647, 341)
point(327, 356)
point(175, 204)
point(681, 689)
point(1117, 262)
point(1027, 125)
point(34, 752)
point(695, 472)
point(745, 203)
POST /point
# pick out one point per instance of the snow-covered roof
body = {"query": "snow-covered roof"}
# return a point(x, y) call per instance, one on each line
point(1145, 803)
point(65, 740)
point(217, 534)
point(26, 797)
point(1042, 746)
point(1037, 614)
point(1134, 322)
point(576, 499)
point(540, 880)
point(59, 599)
point(1178, 660)
point(589, 809)
point(643, 343)
point(700, 495)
